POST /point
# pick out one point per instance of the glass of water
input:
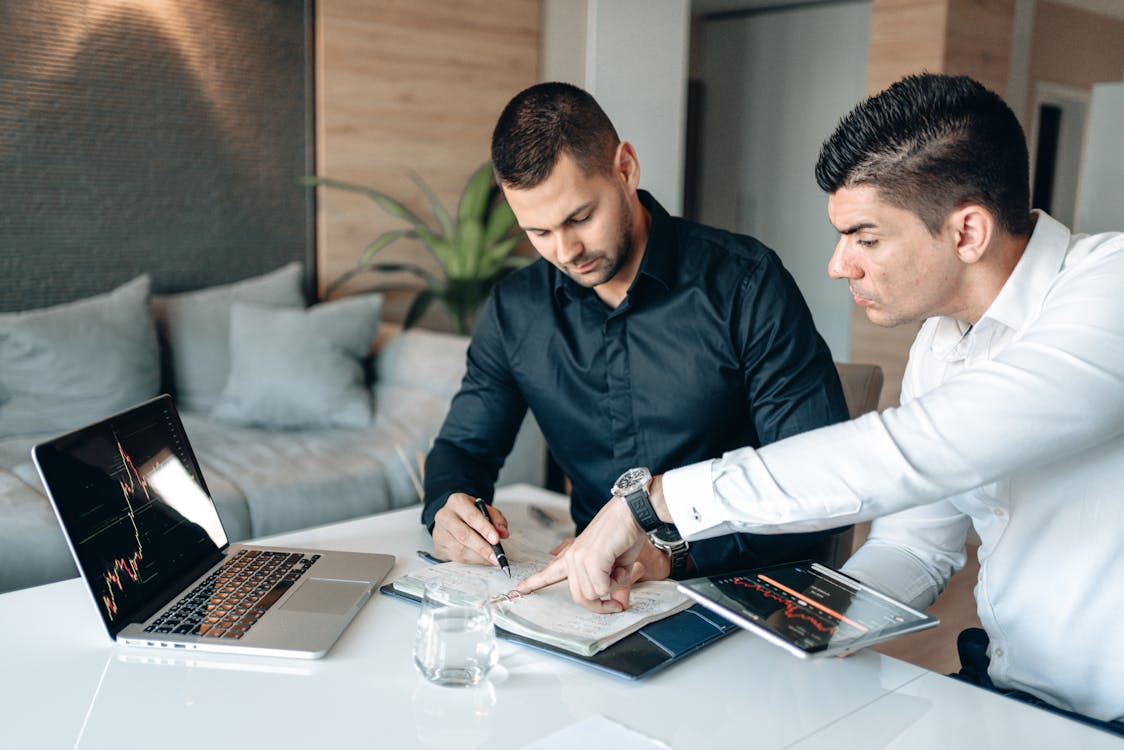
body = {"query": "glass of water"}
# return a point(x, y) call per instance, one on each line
point(455, 643)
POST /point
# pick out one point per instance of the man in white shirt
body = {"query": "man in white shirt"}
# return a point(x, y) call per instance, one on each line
point(1012, 416)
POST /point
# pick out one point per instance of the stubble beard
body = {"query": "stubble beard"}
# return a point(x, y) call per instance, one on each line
point(613, 260)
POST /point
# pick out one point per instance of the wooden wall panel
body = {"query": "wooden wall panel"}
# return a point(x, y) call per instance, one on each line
point(978, 41)
point(410, 86)
point(906, 36)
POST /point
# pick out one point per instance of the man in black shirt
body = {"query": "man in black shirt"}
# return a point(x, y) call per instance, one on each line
point(638, 340)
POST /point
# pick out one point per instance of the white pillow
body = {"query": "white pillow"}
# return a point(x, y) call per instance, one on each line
point(195, 328)
point(65, 366)
point(293, 369)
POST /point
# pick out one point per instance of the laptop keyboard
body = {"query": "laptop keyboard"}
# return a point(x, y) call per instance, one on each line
point(231, 599)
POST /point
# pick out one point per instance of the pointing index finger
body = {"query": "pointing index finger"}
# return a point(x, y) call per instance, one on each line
point(554, 572)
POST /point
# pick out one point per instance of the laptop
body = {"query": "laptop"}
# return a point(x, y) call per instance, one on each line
point(148, 542)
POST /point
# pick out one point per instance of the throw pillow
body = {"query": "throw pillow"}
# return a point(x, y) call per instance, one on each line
point(195, 328)
point(294, 369)
point(67, 365)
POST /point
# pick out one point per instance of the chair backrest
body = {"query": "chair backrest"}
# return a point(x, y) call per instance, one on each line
point(862, 386)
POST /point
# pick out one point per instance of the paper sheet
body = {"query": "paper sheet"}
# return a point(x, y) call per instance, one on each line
point(596, 733)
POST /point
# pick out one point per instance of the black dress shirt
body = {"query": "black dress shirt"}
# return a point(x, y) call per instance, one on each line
point(712, 349)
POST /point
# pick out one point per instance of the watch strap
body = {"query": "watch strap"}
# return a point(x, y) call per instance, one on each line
point(680, 562)
point(642, 509)
point(676, 548)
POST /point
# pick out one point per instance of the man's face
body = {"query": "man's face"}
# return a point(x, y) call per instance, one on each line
point(896, 269)
point(580, 223)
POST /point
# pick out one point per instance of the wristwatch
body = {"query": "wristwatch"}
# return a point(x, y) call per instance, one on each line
point(632, 488)
point(666, 538)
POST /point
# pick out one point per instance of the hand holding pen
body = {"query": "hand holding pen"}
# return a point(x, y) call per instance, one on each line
point(501, 557)
point(465, 532)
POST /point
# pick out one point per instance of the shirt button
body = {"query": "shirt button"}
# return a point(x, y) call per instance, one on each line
point(999, 512)
point(998, 653)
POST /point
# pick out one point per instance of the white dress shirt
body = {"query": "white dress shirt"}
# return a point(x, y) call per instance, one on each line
point(1014, 425)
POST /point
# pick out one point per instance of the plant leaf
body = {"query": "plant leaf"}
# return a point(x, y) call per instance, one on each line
point(328, 290)
point(382, 241)
point(474, 199)
point(500, 221)
point(439, 212)
point(445, 251)
point(385, 202)
point(418, 307)
point(503, 248)
point(470, 240)
point(430, 280)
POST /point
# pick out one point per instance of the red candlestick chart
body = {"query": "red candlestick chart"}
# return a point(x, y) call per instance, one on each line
point(798, 607)
point(126, 567)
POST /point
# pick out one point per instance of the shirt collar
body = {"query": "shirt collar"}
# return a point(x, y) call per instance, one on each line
point(659, 260)
point(1021, 296)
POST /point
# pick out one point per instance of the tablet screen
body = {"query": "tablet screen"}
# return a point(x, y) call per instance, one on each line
point(807, 607)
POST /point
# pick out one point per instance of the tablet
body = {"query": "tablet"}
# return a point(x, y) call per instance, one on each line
point(807, 608)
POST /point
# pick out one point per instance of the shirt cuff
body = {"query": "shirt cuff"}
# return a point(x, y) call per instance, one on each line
point(689, 494)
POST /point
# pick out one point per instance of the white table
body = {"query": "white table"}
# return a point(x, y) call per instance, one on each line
point(64, 684)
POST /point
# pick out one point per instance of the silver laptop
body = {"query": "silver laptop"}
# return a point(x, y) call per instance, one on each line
point(148, 541)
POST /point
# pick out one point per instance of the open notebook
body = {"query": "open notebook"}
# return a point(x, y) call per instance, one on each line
point(549, 615)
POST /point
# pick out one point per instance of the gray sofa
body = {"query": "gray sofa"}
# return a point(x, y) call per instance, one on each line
point(269, 481)
point(264, 479)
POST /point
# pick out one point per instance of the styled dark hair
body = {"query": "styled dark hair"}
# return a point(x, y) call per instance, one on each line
point(540, 124)
point(930, 144)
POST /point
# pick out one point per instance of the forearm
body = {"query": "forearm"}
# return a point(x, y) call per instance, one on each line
point(481, 425)
point(450, 469)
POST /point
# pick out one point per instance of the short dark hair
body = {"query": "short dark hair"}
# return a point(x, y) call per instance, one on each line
point(540, 124)
point(930, 144)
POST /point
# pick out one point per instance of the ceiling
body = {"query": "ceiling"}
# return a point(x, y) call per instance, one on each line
point(1110, 8)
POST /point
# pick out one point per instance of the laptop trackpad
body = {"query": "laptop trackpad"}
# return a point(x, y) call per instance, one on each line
point(329, 597)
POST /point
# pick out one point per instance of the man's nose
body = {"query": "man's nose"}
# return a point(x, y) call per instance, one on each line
point(840, 265)
point(569, 247)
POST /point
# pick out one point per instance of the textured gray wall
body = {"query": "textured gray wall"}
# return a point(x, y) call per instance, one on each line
point(151, 137)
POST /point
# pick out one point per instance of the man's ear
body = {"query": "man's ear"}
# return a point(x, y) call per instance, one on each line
point(973, 228)
point(627, 165)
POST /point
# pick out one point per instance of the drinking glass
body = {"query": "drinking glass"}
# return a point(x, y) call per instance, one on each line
point(455, 643)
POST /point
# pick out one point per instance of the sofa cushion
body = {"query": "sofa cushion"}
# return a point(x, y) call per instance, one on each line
point(298, 369)
point(66, 365)
point(195, 327)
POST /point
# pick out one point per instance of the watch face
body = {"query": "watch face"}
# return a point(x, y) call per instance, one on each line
point(666, 535)
point(632, 479)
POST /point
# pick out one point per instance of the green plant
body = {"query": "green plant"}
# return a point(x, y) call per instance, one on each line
point(473, 247)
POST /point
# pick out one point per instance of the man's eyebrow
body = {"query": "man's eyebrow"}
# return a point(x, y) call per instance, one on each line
point(858, 227)
point(569, 217)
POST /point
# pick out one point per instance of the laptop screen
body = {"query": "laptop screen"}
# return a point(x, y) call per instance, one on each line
point(134, 507)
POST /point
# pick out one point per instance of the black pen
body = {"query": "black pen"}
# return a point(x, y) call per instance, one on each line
point(501, 558)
